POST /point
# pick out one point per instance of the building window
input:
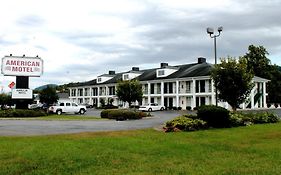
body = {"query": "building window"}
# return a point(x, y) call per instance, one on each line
point(86, 91)
point(151, 88)
point(73, 92)
point(99, 79)
point(161, 72)
point(200, 86)
point(126, 76)
point(95, 91)
point(112, 90)
point(80, 92)
point(188, 87)
point(168, 88)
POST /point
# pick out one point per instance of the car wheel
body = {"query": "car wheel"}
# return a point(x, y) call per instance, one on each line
point(149, 109)
point(82, 111)
point(161, 109)
point(59, 112)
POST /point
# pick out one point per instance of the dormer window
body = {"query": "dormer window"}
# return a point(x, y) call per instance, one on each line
point(105, 77)
point(126, 77)
point(161, 72)
point(99, 79)
point(166, 71)
point(131, 75)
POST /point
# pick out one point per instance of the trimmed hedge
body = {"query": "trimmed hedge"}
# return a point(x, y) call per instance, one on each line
point(215, 116)
point(122, 114)
point(21, 113)
point(184, 123)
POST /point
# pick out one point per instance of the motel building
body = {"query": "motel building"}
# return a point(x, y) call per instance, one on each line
point(185, 86)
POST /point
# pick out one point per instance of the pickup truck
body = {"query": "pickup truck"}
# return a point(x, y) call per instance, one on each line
point(67, 107)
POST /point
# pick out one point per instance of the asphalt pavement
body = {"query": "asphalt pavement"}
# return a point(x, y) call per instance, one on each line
point(39, 127)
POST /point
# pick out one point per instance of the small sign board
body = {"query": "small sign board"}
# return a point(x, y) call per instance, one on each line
point(21, 94)
point(11, 85)
point(22, 66)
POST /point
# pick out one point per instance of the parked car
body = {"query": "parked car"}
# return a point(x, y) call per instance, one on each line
point(152, 107)
point(87, 105)
point(67, 107)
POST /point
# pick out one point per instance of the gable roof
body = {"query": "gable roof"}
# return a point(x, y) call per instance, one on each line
point(185, 70)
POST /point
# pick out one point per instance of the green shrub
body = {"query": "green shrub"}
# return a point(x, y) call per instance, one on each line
point(244, 119)
point(122, 114)
point(273, 118)
point(22, 113)
point(238, 119)
point(192, 116)
point(215, 116)
point(188, 108)
point(104, 113)
point(259, 118)
point(185, 124)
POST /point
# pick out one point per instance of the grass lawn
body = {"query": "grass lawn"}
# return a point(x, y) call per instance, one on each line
point(244, 150)
point(58, 117)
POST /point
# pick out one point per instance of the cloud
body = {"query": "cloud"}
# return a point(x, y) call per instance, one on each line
point(79, 40)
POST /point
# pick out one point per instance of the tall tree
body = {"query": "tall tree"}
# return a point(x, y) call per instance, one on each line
point(129, 91)
point(48, 95)
point(257, 60)
point(232, 80)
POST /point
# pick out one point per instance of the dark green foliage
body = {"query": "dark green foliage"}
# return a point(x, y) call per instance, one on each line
point(258, 62)
point(192, 116)
point(102, 102)
point(188, 108)
point(22, 113)
point(122, 114)
point(272, 118)
point(233, 81)
point(185, 124)
point(215, 116)
point(244, 119)
point(104, 113)
point(129, 91)
point(5, 99)
point(274, 94)
point(48, 95)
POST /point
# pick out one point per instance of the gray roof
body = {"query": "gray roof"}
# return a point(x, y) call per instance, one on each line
point(184, 71)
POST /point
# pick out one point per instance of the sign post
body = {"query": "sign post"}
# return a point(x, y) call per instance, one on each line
point(22, 67)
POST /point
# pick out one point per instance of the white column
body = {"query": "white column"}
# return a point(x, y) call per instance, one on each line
point(253, 98)
point(98, 95)
point(148, 93)
point(213, 93)
point(193, 91)
point(162, 93)
point(264, 95)
point(177, 93)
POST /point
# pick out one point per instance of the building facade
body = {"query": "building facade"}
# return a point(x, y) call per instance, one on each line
point(186, 86)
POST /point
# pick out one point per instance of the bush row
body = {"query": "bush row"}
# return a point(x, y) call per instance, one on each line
point(122, 114)
point(218, 117)
point(21, 113)
point(239, 119)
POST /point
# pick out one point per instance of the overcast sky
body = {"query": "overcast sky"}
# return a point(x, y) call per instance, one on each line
point(81, 39)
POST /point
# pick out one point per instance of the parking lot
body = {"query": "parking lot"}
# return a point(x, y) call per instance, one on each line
point(39, 127)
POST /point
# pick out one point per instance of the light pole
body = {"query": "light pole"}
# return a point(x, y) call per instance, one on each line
point(210, 31)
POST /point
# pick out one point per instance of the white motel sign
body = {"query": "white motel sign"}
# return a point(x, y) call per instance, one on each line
point(22, 66)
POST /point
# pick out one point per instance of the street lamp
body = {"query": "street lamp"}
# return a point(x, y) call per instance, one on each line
point(210, 31)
